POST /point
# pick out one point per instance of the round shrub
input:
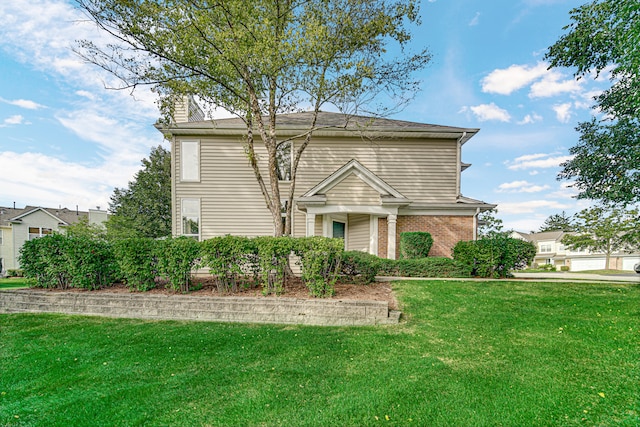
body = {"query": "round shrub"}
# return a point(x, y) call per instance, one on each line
point(415, 244)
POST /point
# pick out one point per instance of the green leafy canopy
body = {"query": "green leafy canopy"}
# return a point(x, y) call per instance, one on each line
point(260, 58)
point(604, 37)
point(143, 209)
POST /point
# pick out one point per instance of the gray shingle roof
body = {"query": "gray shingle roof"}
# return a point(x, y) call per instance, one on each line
point(65, 215)
point(326, 121)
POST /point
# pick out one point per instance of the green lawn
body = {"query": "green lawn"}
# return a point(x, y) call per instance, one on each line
point(467, 354)
point(13, 282)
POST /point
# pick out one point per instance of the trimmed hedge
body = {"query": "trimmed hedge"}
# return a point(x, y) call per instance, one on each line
point(494, 257)
point(320, 259)
point(360, 267)
point(59, 261)
point(138, 263)
point(177, 258)
point(232, 260)
point(415, 244)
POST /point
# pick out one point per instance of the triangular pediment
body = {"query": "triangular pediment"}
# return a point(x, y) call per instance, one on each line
point(37, 209)
point(353, 168)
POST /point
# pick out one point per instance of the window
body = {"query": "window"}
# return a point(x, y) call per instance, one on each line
point(1, 237)
point(545, 247)
point(35, 232)
point(191, 218)
point(283, 161)
point(283, 214)
point(190, 161)
point(339, 229)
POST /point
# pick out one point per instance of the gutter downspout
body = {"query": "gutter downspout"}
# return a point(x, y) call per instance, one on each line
point(458, 164)
point(475, 224)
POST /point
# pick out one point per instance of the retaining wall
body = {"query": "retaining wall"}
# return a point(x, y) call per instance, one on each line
point(185, 307)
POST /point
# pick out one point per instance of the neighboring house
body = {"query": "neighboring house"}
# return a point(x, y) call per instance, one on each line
point(366, 180)
point(551, 250)
point(19, 225)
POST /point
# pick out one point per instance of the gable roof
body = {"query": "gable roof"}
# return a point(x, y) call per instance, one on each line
point(326, 122)
point(63, 215)
point(545, 235)
point(388, 194)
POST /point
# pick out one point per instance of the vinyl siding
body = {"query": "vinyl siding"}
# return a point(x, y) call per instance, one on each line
point(358, 239)
point(6, 249)
point(353, 191)
point(423, 171)
point(21, 231)
point(230, 199)
point(299, 224)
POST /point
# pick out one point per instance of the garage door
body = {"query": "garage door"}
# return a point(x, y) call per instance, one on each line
point(629, 262)
point(587, 264)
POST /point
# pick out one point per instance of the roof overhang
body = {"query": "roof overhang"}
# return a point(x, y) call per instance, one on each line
point(316, 196)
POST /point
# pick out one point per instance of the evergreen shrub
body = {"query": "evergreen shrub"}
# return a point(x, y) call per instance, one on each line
point(177, 258)
point(137, 259)
point(495, 256)
point(415, 244)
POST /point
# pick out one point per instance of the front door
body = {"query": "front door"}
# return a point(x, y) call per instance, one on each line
point(338, 229)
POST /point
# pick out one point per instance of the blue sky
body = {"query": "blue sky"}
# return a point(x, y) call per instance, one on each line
point(65, 140)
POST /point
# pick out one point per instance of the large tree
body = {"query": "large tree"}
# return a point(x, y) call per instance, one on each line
point(604, 37)
point(489, 225)
point(261, 58)
point(143, 209)
point(604, 230)
point(554, 222)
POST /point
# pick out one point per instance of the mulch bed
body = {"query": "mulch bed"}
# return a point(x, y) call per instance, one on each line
point(205, 286)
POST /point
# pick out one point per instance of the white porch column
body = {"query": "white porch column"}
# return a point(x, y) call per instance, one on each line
point(391, 236)
point(311, 224)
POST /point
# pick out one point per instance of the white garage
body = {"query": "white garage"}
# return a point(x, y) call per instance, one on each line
point(582, 264)
point(629, 262)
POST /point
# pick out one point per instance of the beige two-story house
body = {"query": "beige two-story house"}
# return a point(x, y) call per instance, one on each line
point(18, 225)
point(551, 251)
point(365, 180)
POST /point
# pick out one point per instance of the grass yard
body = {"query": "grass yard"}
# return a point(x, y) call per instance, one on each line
point(14, 282)
point(468, 354)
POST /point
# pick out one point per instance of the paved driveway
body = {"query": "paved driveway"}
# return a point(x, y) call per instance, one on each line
point(566, 276)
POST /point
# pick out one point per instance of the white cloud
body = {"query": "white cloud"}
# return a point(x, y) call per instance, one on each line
point(475, 20)
point(86, 94)
point(529, 206)
point(12, 120)
point(486, 112)
point(40, 33)
point(49, 181)
point(508, 80)
point(530, 118)
point(563, 112)
point(521, 187)
point(553, 85)
point(23, 103)
point(565, 191)
point(537, 161)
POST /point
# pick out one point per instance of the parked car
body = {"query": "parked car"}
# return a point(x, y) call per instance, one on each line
point(637, 268)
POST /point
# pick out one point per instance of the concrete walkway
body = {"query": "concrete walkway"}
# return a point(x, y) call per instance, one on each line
point(563, 276)
point(560, 276)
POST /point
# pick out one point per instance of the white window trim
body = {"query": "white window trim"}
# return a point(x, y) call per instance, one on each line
point(327, 225)
point(182, 231)
point(182, 161)
point(40, 232)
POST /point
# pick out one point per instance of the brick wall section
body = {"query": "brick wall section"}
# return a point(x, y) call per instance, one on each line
point(382, 237)
point(445, 230)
